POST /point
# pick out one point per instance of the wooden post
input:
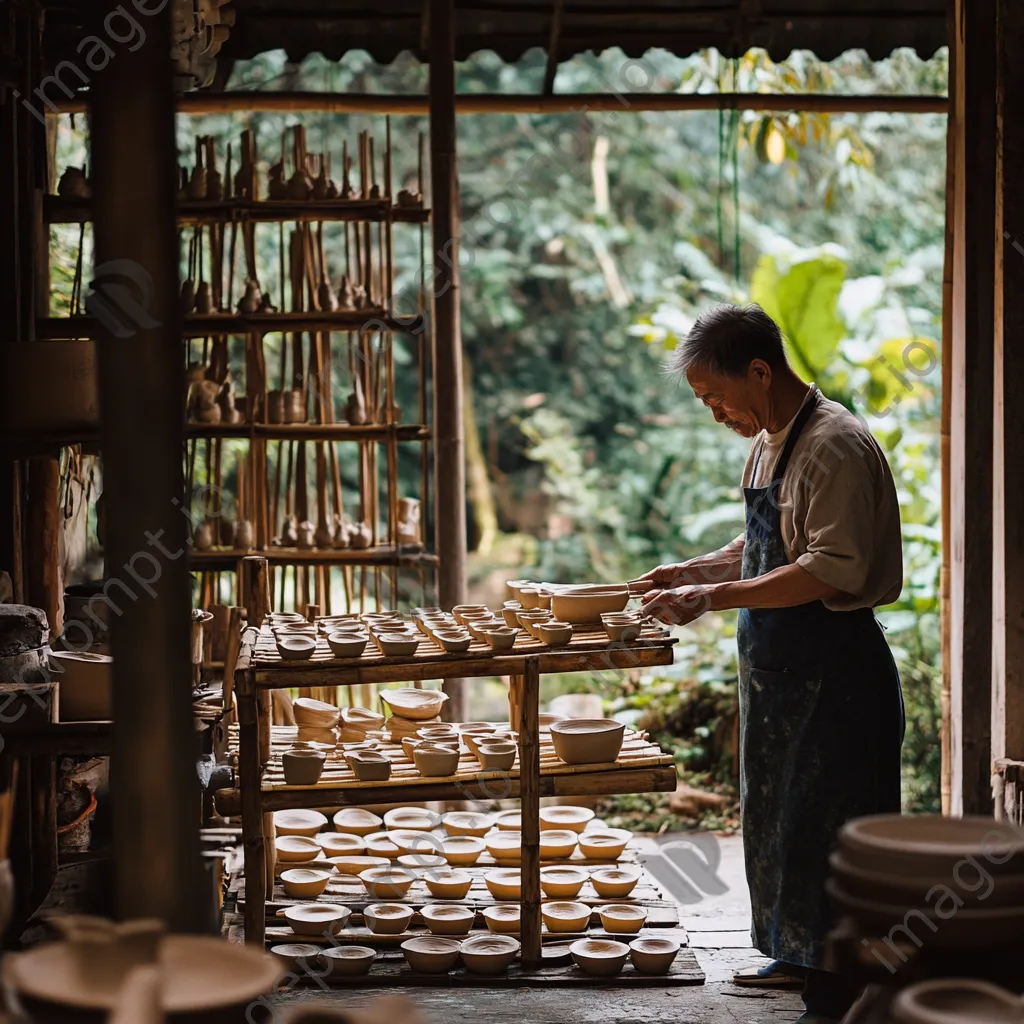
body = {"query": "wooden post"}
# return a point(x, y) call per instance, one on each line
point(154, 785)
point(42, 543)
point(234, 640)
point(257, 578)
point(250, 773)
point(449, 457)
point(528, 687)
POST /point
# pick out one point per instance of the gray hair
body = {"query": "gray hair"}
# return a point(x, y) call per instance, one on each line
point(726, 339)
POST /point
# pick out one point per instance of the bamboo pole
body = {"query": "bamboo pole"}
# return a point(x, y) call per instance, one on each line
point(528, 686)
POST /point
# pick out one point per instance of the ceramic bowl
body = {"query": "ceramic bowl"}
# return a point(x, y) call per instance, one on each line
point(316, 713)
point(562, 883)
point(390, 883)
point(504, 883)
point(501, 638)
point(454, 643)
point(387, 918)
point(462, 851)
point(614, 883)
point(557, 634)
point(298, 822)
point(401, 728)
point(369, 765)
point(295, 957)
point(513, 587)
point(622, 632)
point(600, 958)
point(409, 744)
point(510, 613)
point(503, 918)
point(496, 755)
point(314, 919)
point(357, 821)
point(557, 843)
point(489, 954)
point(448, 885)
point(412, 819)
point(565, 816)
point(276, 617)
point(347, 645)
point(587, 740)
point(529, 597)
point(340, 844)
point(467, 823)
point(586, 604)
point(379, 844)
point(323, 739)
point(356, 863)
point(564, 916)
point(347, 961)
point(528, 615)
point(294, 629)
point(296, 648)
point(296, 848)
point(604, 843)
point(431, 954)
point(362, 718)
point(621, 918)
point(448, 918)
point(305, 883)
point(653, 956)
point(505, 846)
point(397, 645)
point(303, 767)
point(480, 628)
point(508, 821)
point(410, 842)
point(461, 609)
point(411, 703)
point(445, 733)
point(422, 862)
point(474, 739)
point(435, 760)
point(956, 1001)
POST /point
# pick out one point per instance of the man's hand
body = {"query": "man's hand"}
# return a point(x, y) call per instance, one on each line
point(671, 574)
point(678, 606)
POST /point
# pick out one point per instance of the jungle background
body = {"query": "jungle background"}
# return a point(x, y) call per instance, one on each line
point(590, 241)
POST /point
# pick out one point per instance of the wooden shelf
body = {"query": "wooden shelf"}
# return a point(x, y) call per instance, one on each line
point(387, 555)
point(62, 738)
point(66, 210)
point(312, 431)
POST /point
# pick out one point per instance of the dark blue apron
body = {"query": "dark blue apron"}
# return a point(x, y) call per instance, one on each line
point(821, 726)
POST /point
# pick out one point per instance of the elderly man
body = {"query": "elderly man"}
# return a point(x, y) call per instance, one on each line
point(821, 711)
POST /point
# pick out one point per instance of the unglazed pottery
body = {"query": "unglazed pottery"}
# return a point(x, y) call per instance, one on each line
point(411, 841)
point(508, 821)
point(435, 760)
point(564, 916)
point(467, 823)
point(354, 864)
point(557, 843)
point(303, 767)
point(501, 638)
point(431, 954)
point(454, 643)
point(504, 883)
point(502, 918)
point(622, 918)
point(587, 740)
point(462, 851)
point(294, 956)
point(448, 885)
point(362, 718)
point(444, 733)
point(369, 765)
point(557, 634)
point(325, 738)
point(317, 713)
point(604, 843)
point(956, 1001)
point(505, 846)
point(338, 844)
point(529, 597)
point(296, 648)
point(422, 862)
point(347, 961)
point(653, 956)
point(460, 611)
point(357, 821)
point(622, 632)
point(298, 822)
point(317, 919)
point(409, 744)
point(379, 844)
point(390, 883)
point(409, 702)
point(414, 819)
point(586, 604)
point(296, 848)
point(511, 616)
point(614, 883)
point(448, 918)
point(601, 958)
point(387, 918)
point(562, 882)
point(489, 954)
point(496, 755)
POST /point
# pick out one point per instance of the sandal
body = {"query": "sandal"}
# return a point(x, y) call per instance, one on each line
point(774, 975)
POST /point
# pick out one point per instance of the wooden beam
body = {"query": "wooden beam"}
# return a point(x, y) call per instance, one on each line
point(194, 103)
point(551, 69)
point(42, 540)
point(529, 794)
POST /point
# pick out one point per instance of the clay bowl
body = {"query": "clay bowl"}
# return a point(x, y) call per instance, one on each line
point(410, 841)
point(397, 645)
point(480, 628)
point(502, 918)
point(501, 638)
point(454, 642)
point(496, 755)
point(505, 847)
point(357, 821)
point(930, 845)
point(282, 617)
point(474, 739)
point(448, 918)
point(462, 851)
point(562, 883)
point(400, 728)
point(587, 740)
point(566, 816)
point(340, 844)
point(489, 954)
point(604, 843)
point(296, 648)
point(390, 883)
point(460, 610)
point(354, 864)
point(956, 1001)
point(325, 739)
point(362, 718)
point(508, 821)
point(295, 956)
point(296, 848)
point(448, 885)
point(529, 620)
point(504, 883)
point(294, 629)
point(513, 587)
point(467, 823)
point(369, 765)
point(622, 632)
point(600, 958)
point(435, 760)
point(555, 634)
point(622, 919)
point(317, 919)
point(387, 918)
point(412, 819)
point(298, 823)
point(305, 883)
point(653, 956)
point(444, 734)
point(303, 767)
point(529, 597)
point(557, 843)
point(586, 604)
point(347, 645)
point(379, 844)
point(409, 744)
point(316, 713)
point(347, 961)
point(510, 614)
point(431, 954)
point(614, 883)
point(410, 703)
point(422, 862)
point(563, 916)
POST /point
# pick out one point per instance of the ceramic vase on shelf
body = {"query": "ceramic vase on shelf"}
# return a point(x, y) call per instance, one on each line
point(275, 407)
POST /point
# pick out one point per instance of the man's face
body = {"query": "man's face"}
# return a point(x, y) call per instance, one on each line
point(741, 403)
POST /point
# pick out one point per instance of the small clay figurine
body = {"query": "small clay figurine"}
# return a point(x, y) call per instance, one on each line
point(346, 296)
point(202, 538)
point(321, 186)
point(251, 298)
point(325, 296)
point(243, 535)
point(299, 185)
point(324, 536)
point(226, 400)
point(290, 532)
point(306, 533)
point(341, 531)
point(204, 298)
point(266, 306)
point(409, 198)
point(188, 295)
point(360, 537)
point(277, 186)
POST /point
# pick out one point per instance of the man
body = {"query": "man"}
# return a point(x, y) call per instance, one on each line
point(821, 711)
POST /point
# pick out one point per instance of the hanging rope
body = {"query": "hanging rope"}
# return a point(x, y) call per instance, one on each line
point(736, 175)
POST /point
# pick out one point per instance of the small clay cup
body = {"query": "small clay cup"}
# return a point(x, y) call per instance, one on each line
point(303, 767)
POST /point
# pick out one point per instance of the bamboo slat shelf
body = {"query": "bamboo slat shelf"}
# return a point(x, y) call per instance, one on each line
point(312, 431)
point(386, 555)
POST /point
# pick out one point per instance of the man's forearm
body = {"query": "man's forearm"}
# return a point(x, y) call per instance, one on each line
point(785, 587)
point(721, 566)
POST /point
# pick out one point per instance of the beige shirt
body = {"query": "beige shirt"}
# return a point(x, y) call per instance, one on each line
point(840, 516)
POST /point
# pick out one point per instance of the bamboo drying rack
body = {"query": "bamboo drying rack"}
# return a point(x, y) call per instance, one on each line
point(260, 792)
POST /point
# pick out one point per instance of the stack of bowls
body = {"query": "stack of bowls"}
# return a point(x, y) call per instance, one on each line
point(317, 721)
point(946, 883)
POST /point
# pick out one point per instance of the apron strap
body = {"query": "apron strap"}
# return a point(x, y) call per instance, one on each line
point(794, 435)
